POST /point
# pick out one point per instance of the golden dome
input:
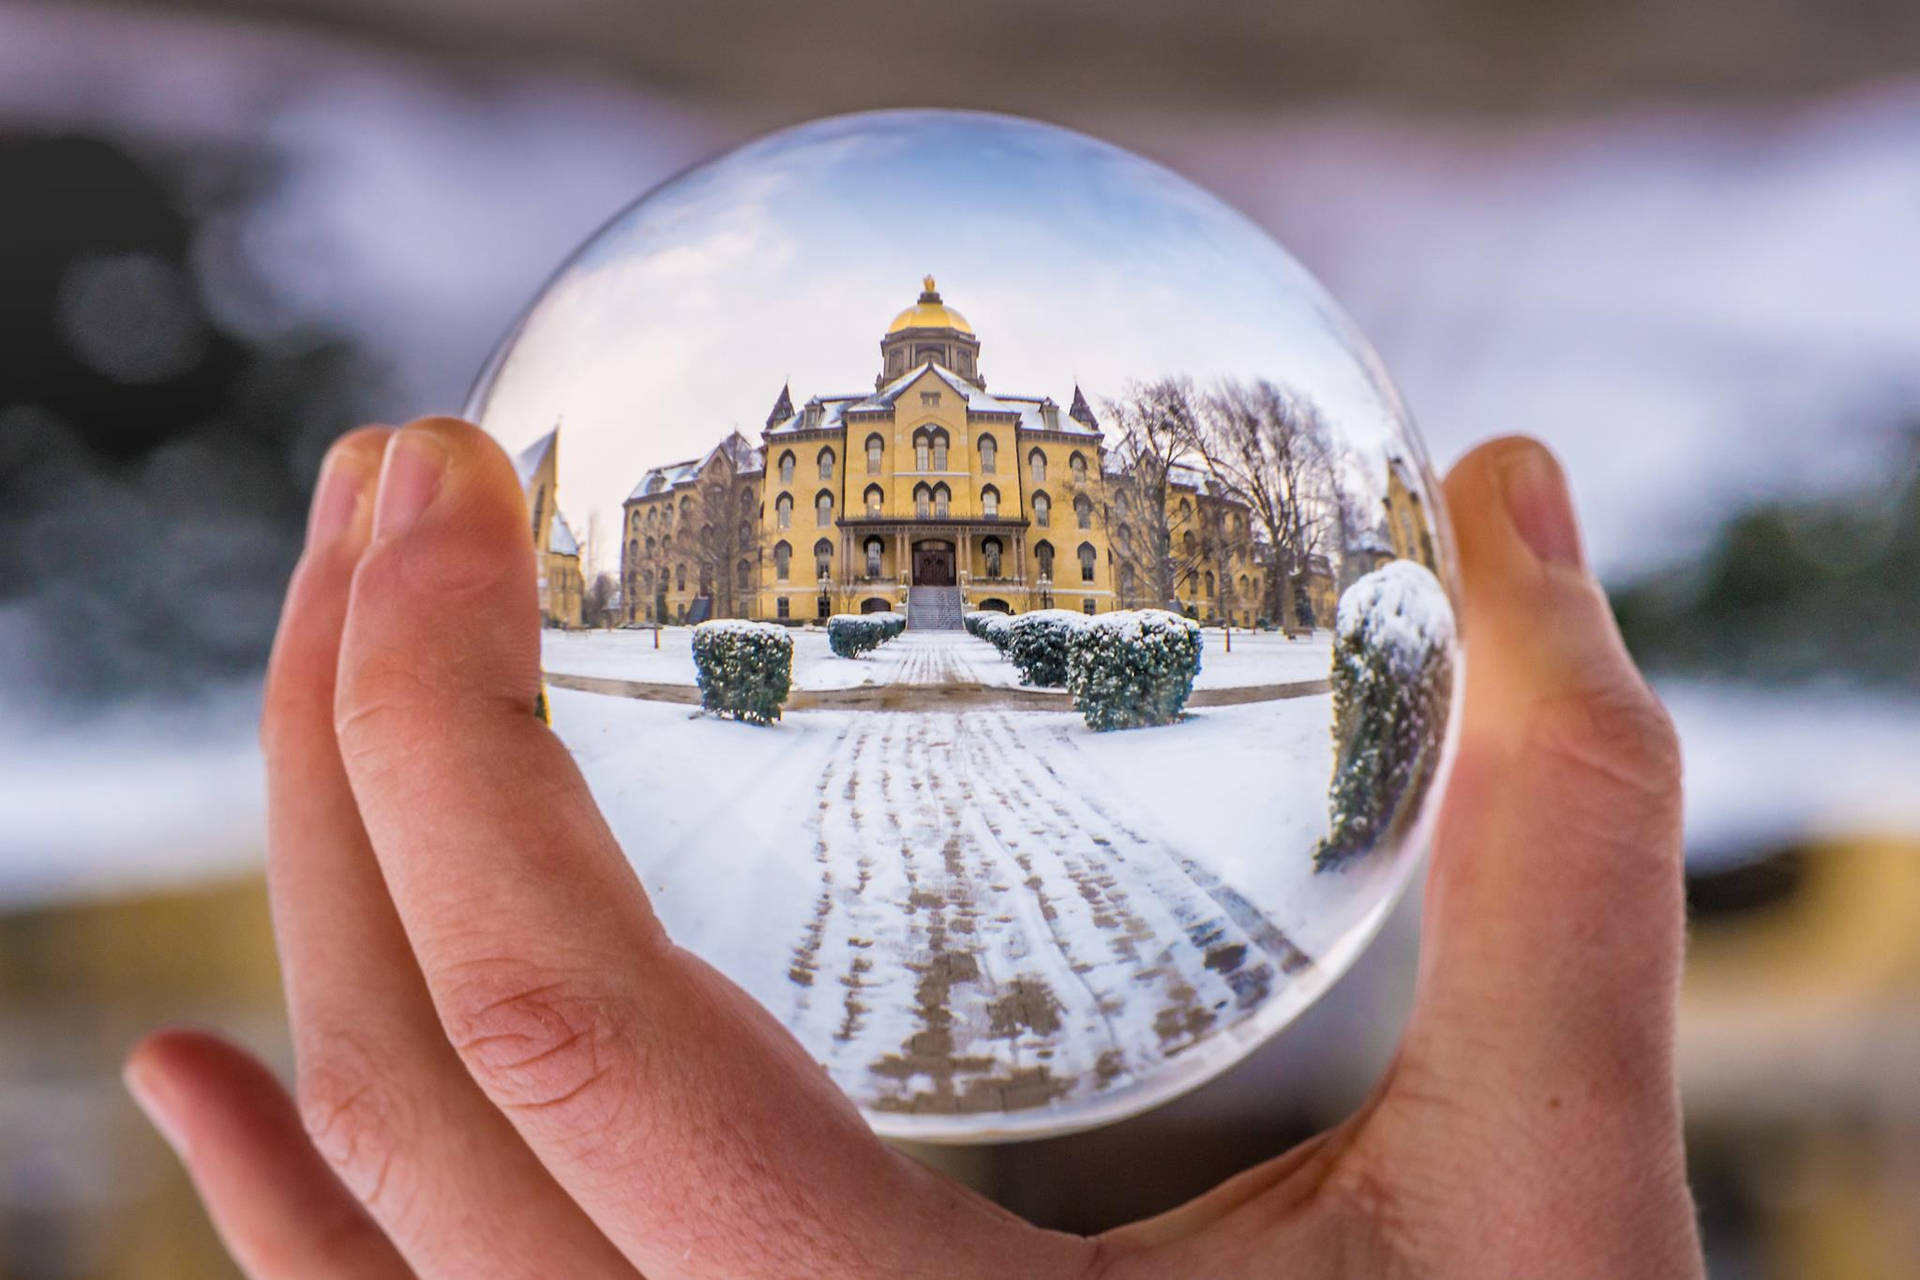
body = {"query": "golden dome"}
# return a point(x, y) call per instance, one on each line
point(930, 313)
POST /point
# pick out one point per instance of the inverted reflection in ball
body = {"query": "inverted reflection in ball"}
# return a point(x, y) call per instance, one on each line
point(997, 601)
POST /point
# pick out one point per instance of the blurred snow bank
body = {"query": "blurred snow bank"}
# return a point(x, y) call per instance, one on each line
point(135, 797)
point(1767, 767)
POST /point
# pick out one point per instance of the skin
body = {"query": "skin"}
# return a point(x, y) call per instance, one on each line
point(507, 1069)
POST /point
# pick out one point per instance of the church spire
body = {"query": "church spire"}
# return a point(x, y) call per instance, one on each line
point(1081, 412)
point(783, 407)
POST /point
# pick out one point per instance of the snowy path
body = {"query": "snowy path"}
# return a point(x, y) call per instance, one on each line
point(963, 901)
point(1029, 942)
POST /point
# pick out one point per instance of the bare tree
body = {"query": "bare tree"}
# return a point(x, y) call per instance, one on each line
point(1269, 450)
point(1158, 540)
point(723, 538)
point(597, 601)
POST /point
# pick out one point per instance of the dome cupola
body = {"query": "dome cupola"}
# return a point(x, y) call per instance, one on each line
point(929, 330)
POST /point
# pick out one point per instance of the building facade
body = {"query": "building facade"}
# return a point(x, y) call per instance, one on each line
point(929, 480)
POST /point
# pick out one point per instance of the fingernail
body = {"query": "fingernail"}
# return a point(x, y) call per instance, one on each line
point(147, 1093)
point(409, 477)
point(336, 497)
point(1540, 506)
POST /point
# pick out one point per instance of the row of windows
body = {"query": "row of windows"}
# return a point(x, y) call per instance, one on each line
point(933, 501)
point(930, 454)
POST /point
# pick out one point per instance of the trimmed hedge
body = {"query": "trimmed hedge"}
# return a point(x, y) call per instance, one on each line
point(1037, 644)
point(851, 634)
point(996, 629)
point(745, 669)
point(1132, 668)
point(1392, 690)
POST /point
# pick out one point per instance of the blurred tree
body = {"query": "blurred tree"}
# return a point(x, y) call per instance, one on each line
point(154, 457)
point(1794, 591)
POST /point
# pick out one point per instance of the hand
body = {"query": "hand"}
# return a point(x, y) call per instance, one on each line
point(507, 1069)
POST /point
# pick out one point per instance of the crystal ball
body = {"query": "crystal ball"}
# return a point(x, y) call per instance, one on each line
point(996, 598)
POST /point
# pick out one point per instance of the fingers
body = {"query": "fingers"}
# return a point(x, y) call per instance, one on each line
point(1554, 915)
point(279, 1209)
point(386, 1102)
point(681, 1116)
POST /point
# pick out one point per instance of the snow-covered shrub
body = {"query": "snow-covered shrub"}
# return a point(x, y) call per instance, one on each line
point(851, 634)
point(891, 624)
point(745, 669)
point(1133, 668)
point(1037, 644)
point(1392, 686)
point(996, 629)
point(973, 618)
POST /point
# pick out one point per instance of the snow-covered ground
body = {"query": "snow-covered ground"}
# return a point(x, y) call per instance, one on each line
point(917, 657)
point(991, 910)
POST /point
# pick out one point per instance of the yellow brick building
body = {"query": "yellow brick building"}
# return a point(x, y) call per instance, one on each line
point(852, 501)
point(556, 551)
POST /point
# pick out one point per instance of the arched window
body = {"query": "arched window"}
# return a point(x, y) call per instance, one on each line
point(746, 533)
point(1210, 591)
point(1077, 464)
point(782, 561)
point(1043, 556)
point(1083, 511)
point(990, 549)
point(942, 500)
point(743, 575)
point(922, 451)
point(1126, 579)
point(822, 509)
point(876, 448)
point(873, 498)
point(680, 577)
point(922, 501)
point(786, 467)
point(874, 548)
point(666, 543)
point(1042, 510)
point(1246, 588)
point(647, 577)
point(826, 464)
point(1086, 561)
point(1188, 542)
point(783, 511)
point(990, 501)
point(939, 451)
point(823, 559)
point(633, 550)
point(1036, 467)
point(1186, 511)
point(686, 507)
point(989, 455)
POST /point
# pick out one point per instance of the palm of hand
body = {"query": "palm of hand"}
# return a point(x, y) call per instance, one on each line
point(483, 1002)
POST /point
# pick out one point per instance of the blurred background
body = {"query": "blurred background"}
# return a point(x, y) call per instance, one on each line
point(1680, 241)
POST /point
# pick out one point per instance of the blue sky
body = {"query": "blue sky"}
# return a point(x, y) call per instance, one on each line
point(1072, 259)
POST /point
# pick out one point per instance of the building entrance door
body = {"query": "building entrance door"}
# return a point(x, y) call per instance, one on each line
point(933, 564)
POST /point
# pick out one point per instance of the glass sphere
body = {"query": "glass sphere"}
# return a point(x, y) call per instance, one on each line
point(997, 600)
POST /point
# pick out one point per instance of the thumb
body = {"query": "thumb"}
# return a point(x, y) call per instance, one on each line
point(1554, 920)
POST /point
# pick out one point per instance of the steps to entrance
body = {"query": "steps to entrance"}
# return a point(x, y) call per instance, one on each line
point(933, 608)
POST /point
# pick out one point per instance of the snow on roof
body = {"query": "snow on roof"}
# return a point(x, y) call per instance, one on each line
point(1031, 410)
point(560, 539)
point(659, 479)
point(528, 460)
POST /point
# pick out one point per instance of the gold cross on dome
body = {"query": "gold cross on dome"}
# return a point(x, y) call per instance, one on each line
point(927, 281)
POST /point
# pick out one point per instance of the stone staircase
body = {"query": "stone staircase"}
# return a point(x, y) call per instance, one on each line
point(933, 608)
